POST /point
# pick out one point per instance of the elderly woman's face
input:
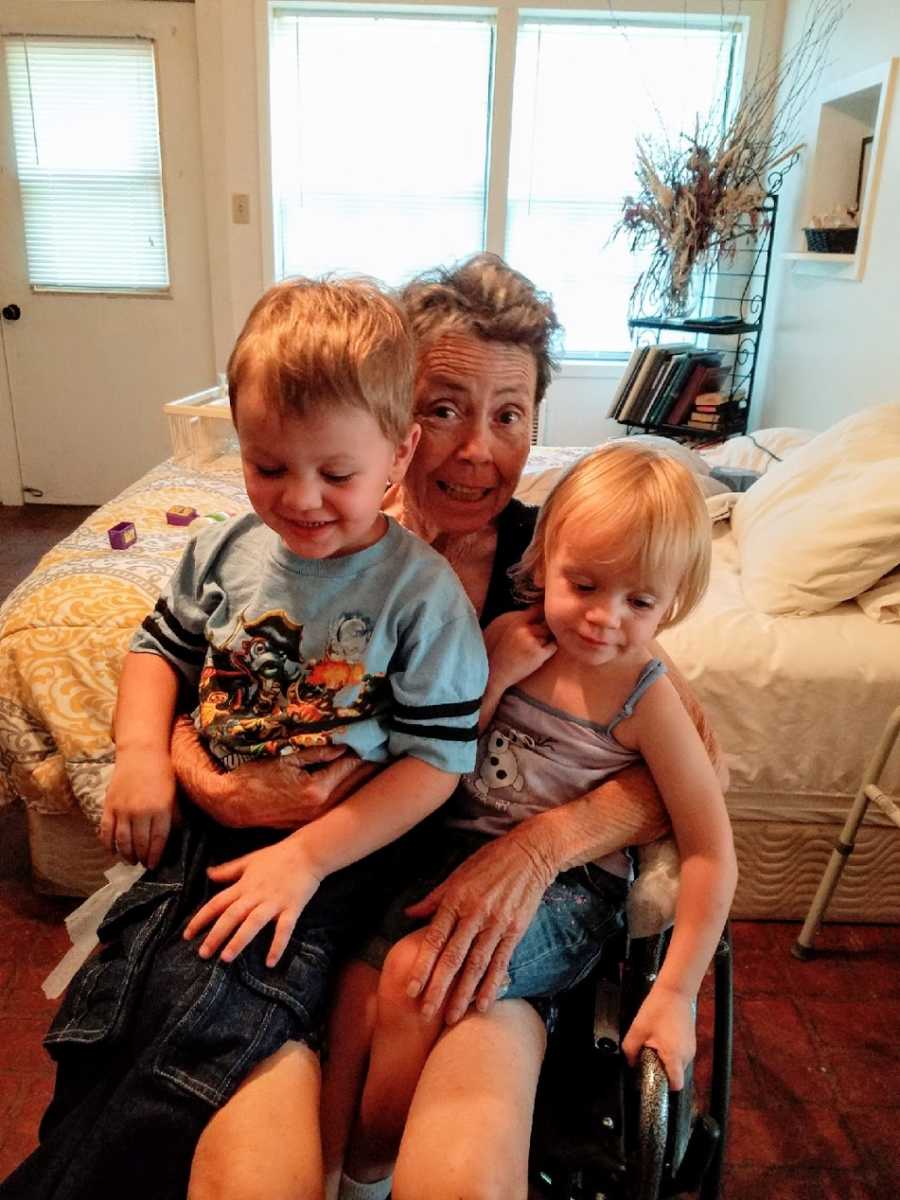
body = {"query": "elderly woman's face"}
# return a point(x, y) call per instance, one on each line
point(475, 403)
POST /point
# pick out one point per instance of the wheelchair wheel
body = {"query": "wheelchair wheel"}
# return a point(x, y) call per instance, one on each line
point(653, 1122)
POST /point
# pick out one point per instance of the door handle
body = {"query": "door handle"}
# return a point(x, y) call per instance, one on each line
point(11, 312)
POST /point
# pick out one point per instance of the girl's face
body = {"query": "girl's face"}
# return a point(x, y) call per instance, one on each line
point(475, 403)
point(599, 611)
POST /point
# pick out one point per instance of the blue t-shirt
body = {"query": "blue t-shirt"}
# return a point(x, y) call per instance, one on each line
point(378, 650)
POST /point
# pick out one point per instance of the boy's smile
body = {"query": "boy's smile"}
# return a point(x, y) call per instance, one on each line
point(318, 480)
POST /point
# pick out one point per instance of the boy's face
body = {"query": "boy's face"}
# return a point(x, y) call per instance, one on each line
point(318, 480)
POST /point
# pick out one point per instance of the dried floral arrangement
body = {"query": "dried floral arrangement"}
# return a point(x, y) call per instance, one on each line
point(699, 194)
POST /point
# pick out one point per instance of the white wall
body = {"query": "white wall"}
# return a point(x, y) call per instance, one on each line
point(833, 345)
point(231, 47)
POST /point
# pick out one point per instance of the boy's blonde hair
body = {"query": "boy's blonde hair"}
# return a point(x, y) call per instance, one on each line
point(313, 343)
point(628, 505)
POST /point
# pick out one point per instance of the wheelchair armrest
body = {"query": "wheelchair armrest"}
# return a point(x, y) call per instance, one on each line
point(650, 908)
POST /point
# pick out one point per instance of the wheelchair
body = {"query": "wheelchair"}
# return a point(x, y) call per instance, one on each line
point(603, 1131)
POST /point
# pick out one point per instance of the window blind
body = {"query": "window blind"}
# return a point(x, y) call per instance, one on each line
point(86, 136)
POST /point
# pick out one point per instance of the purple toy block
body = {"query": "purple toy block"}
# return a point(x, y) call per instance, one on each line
point(122, 536)
point(178, 514)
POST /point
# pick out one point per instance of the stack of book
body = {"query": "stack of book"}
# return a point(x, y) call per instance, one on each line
point(713, 411)
point(660, 384)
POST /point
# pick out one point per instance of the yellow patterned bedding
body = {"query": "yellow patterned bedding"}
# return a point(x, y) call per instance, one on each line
point(65, 630)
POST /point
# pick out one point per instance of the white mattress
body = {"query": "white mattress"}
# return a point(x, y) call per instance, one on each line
point(798, 703)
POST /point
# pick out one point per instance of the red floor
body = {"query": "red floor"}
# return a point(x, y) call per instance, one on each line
point(816, 1101)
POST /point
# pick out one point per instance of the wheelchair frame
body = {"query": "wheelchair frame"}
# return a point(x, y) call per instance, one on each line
point(606, 1132)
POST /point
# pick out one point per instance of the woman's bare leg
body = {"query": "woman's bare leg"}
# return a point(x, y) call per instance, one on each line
point(400, 1047)
point(350, 1030)
point(265, 1140)
point(469, 1127)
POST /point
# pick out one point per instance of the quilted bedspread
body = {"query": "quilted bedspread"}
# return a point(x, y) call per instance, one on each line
point(66, 628)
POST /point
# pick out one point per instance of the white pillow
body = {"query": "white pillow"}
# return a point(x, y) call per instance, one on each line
point(824, 525)
point(759, 450)
point(882, 602)
point(534, 488)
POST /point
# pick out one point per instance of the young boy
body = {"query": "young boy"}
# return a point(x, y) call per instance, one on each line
point(259, 613)
point(314, 621)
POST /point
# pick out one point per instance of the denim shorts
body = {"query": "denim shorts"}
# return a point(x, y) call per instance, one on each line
point(200, 1025)
point(580, 909)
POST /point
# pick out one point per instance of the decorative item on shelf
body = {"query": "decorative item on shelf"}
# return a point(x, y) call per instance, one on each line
point(834, 233)
point(705, 191)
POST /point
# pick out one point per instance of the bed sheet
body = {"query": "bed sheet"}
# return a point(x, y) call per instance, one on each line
point(798, 703)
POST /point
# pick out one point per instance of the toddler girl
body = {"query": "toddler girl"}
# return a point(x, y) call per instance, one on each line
point(621, 550)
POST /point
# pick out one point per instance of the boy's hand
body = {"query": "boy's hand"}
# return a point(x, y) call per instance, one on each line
point(139, 806)
point(517, 644)
point(272, 884)
point(665, 1021)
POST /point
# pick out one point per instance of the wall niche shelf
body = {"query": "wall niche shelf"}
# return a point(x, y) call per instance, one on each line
point(846, 165)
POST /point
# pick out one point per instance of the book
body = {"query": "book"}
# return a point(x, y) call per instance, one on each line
point(672, 353)
point(681, 364)
point(703, 372)
point(636, 392)
point(626, 380)
point(711, 400)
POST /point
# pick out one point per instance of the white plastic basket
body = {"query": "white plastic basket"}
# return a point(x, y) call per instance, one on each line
point(200, 427)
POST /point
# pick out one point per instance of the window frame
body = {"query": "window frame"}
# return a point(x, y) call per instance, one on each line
point(749, 15)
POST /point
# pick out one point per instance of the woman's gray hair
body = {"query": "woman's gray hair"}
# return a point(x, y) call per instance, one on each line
point(484, 296)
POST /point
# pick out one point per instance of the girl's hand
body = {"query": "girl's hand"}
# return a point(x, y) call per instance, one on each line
point(665, 1021)
point(517, 644)
point(139, 806)
point(272, 884)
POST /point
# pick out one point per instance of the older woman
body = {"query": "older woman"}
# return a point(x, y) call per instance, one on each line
point(485, 340)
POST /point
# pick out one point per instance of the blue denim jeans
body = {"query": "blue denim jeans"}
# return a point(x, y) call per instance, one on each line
point(151, 1039)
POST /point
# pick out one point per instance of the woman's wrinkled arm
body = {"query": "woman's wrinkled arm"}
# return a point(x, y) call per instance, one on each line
point(278, 794)
point(480, 912)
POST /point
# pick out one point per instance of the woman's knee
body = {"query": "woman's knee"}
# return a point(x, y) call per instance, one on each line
point(395, 977)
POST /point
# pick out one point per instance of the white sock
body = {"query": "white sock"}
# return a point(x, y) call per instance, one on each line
point(352, 1189)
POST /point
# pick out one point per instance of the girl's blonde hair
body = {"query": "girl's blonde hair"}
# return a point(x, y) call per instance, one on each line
point(628, 505)
point(314, 343)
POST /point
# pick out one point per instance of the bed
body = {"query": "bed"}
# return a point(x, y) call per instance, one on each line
point(797, 702)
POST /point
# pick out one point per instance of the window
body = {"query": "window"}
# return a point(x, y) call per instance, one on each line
point(382, 127)
point(378, 145)
point(86, 136)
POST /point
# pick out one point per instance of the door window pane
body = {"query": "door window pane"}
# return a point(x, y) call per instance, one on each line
point(86, 135)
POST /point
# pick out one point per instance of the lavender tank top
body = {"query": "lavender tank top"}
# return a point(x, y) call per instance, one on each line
point(533, 757)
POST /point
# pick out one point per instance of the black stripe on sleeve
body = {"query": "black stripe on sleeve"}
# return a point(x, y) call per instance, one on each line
point(191, 657)
point(427, 712)
point(183, 635)
point(443, 733)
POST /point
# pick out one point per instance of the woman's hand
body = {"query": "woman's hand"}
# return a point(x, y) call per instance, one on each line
point(139, 806)
point(272, 884)
point(278, 793)
point(480, 913)
point(665, 1022)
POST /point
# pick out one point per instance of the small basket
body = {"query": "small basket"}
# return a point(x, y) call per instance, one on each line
point(831, 241)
